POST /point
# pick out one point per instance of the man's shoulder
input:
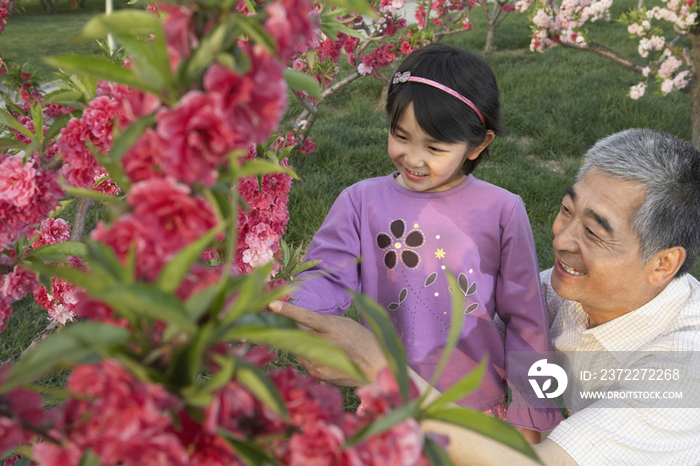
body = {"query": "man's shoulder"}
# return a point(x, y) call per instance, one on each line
point(683, 329)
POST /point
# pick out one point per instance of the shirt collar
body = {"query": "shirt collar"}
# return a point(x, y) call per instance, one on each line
point(632, 331)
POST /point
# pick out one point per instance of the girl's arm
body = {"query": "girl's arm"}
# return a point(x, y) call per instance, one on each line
point(337, 245)
point(520, 305)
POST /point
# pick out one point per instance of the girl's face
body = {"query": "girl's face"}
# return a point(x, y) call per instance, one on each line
point(424, 164)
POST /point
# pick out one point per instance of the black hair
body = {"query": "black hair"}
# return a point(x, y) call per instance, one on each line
point(439, 114)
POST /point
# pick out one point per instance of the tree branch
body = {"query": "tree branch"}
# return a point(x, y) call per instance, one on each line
point(84, 206)
point(606, 53)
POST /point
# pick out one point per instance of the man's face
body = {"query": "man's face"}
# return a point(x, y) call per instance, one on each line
point(596, 252)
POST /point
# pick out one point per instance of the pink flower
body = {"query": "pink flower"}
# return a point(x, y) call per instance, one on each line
point(406, 48)
point(382, 396)
point(19, 283)
point(5, 314)
point(80, 165)
point(17, 181)
point(292, 24)
point(20, 221)
point(508, 8)
point(22, 405)
point(123, 420)
point(401, 445)
point(252, 104)
point(143, 159)
point(179, 29)
point(165, 218)
point(98, 118)
point(51, 231)
point(319, 445)
point(193, 138)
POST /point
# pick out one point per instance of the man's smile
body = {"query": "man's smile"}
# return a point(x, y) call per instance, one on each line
point(571, 270)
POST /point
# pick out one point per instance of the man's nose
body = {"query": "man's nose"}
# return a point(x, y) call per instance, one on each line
point(564, 237)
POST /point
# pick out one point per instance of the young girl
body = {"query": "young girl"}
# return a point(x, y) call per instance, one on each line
point(394, 237)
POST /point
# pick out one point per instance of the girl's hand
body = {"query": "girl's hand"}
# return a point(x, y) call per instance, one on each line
point(358, 342)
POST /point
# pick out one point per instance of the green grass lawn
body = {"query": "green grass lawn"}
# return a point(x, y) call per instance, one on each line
point(555, 105)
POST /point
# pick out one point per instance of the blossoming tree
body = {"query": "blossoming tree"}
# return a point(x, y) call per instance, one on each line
point(668, 34)
point(167, 358)
point(373, 45)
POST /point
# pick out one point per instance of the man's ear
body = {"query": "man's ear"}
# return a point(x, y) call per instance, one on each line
point(666, 264)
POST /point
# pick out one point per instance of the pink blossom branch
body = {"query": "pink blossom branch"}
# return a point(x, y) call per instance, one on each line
point(30, 427)
point(606, 53)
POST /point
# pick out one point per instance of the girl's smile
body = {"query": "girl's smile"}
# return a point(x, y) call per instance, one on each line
point(425, 164)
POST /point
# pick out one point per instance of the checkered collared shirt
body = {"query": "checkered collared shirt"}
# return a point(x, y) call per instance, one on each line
point(603, 433)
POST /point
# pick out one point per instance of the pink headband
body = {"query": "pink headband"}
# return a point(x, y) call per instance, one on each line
point(402, 78)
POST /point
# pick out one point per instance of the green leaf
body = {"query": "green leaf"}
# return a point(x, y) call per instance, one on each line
point(62, 97)
point(304, 266)
point(435, 453)
point(411, 410)
point(359, 6)
point(68, 248)
point(12, 122)
point(145, 300)
point(89, 458)
point(172, 274)
point(141, 35)
point(100, 68)
point(248, 289)
point(187, 362)
point(89, 194)
point(261, 167)
point(467, 384)
point(300, 343)
point(202, 57)
point(56, 127)
point(104, 255)
point(456, 324)
point(299, 81)
point(127, 139)
point(383, 328)
point(248, 451)
point(257, 33)
point(24, 461)
point(77, 343)
point(261, 386)
point(8, 144)
point(37, 115)
point(197, 305)
point(486, 425)
point(88, 281)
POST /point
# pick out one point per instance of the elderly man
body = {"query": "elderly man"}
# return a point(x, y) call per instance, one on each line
point(626, 235)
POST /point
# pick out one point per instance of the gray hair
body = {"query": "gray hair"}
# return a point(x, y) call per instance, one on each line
point(667, 168)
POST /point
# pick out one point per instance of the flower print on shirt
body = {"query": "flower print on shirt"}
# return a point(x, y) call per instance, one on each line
point(399, 248)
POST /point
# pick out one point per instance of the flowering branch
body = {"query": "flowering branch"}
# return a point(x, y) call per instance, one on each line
point(606, 53)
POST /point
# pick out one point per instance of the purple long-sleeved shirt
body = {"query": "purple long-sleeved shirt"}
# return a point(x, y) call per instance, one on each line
point(395, 245)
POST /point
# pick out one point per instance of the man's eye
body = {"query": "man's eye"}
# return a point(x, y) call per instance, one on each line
point(590, 233)
point(565, 210)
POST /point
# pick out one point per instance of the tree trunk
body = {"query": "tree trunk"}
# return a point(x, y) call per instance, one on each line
point(81, 212)
point(491, 28)
point(695, 91)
